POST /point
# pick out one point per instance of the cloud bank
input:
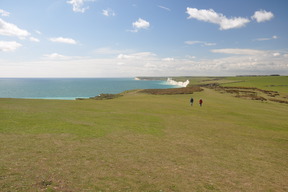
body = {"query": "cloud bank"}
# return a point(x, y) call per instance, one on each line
point(234, 62)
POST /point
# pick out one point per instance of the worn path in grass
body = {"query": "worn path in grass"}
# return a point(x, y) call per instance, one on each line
point(142, 142)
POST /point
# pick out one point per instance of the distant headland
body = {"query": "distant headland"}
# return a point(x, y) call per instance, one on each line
point(168, 79)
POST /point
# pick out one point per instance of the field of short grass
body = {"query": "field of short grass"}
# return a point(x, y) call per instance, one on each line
point(143, 142)
point(273, 83)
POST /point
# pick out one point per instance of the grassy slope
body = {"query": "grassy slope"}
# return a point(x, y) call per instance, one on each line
point(144, 143)
point(273, 83)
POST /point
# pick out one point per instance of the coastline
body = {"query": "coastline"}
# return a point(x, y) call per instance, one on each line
point(72, 88)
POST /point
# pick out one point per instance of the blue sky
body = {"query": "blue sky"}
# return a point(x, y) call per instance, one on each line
point(128, 38)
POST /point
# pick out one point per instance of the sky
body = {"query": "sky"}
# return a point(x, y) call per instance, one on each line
point(129, 38)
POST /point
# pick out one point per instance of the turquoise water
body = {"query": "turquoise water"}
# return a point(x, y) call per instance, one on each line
point(71, 88)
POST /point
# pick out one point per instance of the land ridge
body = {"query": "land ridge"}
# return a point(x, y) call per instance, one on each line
point(216, 83)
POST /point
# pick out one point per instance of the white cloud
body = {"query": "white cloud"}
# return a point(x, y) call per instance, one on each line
point(202, 43)
point(4, 13)
point(263, 39)
point(209, 44)
point(63, 40)
point(108, 12)
point(192, 42)
point(34, 39)
point(140, 24)
point(123, 56)
point(165, 8)
point(137, 56)
point(169, 59)
point(276, 54)
point(61, 58)
point(267, 39)
point(9, 46)
point(38, 32)
point(239, 51)
point(78, 5)
point(262, 16)
point(217, 18)
point(110, 51)
point(9, 29)
point(190, 57)
point(56, 56)
point(106, 51)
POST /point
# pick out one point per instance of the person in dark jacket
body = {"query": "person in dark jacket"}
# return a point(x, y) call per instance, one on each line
point(191, 101)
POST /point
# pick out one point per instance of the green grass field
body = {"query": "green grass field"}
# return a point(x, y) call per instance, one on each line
point(273, 83)
point(142, 142)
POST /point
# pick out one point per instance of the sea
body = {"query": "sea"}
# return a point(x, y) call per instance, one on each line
point(72, 88)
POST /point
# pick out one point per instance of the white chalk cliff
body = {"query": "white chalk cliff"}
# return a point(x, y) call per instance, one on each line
point(178, 83)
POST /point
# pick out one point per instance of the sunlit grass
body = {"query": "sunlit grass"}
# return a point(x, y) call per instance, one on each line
point(142, 142)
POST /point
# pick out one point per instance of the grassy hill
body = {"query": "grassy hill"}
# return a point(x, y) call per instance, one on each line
point(145, 142)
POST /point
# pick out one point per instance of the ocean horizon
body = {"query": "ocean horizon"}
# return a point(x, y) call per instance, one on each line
point(72, 88)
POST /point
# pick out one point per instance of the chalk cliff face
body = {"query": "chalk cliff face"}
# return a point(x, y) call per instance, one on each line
point(179, 83)
point(169, 81)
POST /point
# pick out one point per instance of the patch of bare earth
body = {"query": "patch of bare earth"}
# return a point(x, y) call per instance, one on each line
point(172, 91)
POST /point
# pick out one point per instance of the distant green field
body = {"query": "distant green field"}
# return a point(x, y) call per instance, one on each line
point(273, 83)
point(142, 142)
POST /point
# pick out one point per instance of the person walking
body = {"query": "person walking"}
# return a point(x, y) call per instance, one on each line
point(191, 101)
point(200, 102)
